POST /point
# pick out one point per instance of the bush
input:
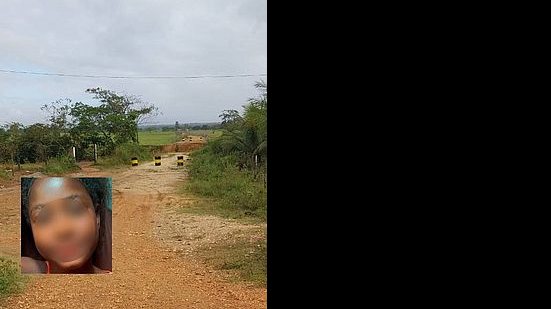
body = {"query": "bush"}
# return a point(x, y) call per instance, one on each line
point(234, 190)
point(124, 153)
point(59, 166)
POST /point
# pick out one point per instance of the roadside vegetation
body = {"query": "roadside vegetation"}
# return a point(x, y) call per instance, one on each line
point(229, 178)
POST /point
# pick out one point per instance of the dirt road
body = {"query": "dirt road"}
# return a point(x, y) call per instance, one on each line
point(146, 272)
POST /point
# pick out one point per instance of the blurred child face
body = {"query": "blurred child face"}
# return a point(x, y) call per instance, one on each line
point(63, 221)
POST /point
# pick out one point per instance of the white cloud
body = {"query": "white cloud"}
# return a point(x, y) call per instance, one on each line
point(134, 38)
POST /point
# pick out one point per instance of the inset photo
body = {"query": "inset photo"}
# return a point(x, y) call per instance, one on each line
point(66, 225)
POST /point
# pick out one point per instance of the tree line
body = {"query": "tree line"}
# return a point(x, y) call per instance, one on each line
point(75, 124)
point(180, 127)
point(115, 122)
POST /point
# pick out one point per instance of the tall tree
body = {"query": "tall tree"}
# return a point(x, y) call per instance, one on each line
point(126, 112)
point(90, 126)
point(59, 113)
point(60, 124)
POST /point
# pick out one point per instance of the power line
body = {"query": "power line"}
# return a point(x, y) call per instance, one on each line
point(128, 77)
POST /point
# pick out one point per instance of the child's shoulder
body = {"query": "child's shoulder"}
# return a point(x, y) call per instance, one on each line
point(32, 266)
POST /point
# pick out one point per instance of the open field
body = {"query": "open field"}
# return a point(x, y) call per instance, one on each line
point(157, 138)
point(163, 138)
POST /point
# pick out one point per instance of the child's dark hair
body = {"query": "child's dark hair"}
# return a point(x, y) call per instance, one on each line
point(94, 186)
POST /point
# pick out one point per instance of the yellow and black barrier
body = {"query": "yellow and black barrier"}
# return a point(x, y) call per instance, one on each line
point(134, 161)
point(180, 161)
point(157, 160)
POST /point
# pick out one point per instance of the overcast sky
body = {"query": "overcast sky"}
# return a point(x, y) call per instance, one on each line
point(132, 38)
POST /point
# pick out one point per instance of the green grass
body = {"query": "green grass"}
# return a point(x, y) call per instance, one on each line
point(208, 133)
point(163, 138)
point(123, 155)
point(215, 134)
point(215, 207)
point(231, 192)
point(11, 280)
point(245, 261)
point(33, 167)
point(5, 175)
point(220, 188)
point(59, 166)
point(157, 138)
